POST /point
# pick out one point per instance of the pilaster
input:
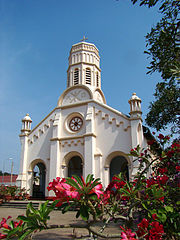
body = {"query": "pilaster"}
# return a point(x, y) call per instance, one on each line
point(89, 143)
point(55, 148)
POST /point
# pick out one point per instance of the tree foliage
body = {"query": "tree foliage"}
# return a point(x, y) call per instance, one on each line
point(163, 48)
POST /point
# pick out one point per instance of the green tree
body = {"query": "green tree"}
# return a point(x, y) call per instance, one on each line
point(163, 48)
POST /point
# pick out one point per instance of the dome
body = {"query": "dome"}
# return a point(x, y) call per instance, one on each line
point(27, 118)
point(134, 97)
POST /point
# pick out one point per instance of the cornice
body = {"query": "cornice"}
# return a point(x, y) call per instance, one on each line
point(42, 121)
point(73, 137)
point(90, 64)
point(96, 102)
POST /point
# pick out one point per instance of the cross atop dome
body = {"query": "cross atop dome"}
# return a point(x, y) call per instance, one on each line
point(84, 39)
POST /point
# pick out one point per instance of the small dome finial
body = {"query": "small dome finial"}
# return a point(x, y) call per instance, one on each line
point(26, 124)
point(135, 105)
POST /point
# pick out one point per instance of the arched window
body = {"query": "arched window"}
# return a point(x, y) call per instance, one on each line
point(39, 180)
point(76, 76)
point(97, 79)
point(75, 166)
point(88, 76)
point(118, 165)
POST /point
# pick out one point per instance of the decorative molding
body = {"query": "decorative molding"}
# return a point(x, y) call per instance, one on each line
point(73, 137)
point(39, 132)
point(86, 63)
point(42, 121)
point(110, 119)
point(74, 142)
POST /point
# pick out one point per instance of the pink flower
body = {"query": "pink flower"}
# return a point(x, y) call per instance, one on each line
point(178, 168)
point(156, 231)
point(162, 170)
point(70, 191)
point(154, 216)
point(3, 236)
point(98, 190)
point(161, 136)
point(143, 227)
point(127, 234)
point(3, 224)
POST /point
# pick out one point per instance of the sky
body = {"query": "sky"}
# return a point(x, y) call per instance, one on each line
point(35, 39)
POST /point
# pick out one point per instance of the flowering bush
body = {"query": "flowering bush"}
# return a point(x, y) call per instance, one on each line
point(13, 192)
point(147, 207)
point(78, 193)
point(15, 228)
point(33, 221)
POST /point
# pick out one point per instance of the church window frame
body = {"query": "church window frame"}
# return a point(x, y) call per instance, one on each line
point(76, 76)
point(88, 76)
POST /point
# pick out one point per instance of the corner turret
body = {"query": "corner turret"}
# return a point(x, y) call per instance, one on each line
point(26, 124)
point(135, 106)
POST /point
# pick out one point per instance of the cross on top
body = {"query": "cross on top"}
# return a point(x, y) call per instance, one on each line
point(84, 39)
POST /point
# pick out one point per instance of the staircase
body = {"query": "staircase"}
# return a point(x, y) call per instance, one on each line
point(21, 204)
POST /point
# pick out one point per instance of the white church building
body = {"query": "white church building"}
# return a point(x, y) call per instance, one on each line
point(82, 134)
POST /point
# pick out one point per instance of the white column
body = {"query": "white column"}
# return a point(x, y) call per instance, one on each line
point(55, 164)
point(89, 143)
point(22, 177)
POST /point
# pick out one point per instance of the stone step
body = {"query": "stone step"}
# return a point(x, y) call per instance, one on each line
point(21, 204)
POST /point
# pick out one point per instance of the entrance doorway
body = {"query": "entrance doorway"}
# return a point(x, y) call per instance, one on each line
point(39, 181)
point(118, 165)
point(75, 166)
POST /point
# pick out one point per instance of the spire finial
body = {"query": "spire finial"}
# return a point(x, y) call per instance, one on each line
point(84, 39)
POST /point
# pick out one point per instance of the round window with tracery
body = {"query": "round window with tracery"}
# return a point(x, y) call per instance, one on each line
point(75, 124)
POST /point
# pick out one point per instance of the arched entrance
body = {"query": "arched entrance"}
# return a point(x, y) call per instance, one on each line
point(118, 165)
point(39, 180)
point(75, 166)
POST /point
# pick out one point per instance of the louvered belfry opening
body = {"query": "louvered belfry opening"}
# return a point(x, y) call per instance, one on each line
point(97, 79)
point(88, 76)
point(68, 80)
point(76, 76)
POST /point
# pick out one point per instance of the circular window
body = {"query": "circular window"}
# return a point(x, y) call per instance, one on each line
point(75, 124)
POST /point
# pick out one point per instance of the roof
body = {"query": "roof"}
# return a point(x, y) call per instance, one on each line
point(7, 179)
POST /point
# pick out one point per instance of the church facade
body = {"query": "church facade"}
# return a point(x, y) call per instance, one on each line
point(82, 134)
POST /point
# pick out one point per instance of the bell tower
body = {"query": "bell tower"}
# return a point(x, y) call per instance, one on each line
point(84, 65)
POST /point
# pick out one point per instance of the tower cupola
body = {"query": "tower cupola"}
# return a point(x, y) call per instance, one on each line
point(84, 65)
point(26, 124)
point(135, 106)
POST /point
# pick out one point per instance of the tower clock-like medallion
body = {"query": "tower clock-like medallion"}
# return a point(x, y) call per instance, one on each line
point(75, 124)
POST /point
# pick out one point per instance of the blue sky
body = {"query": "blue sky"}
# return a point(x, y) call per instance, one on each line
point(35, 39)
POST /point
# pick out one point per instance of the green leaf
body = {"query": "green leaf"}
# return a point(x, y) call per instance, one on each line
point(50, 208)
point(95, 183)
point(162, 217)
point(93, 196)
point(169, 208)
point(144, 206)
point(28, 232)
point(89, 178)
point(30, 206)
point(78, 214)
point(11, 224)
point(23, 218)
point(78, 179)
point(84, 212)
point(66, 208)
point(12, 232)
